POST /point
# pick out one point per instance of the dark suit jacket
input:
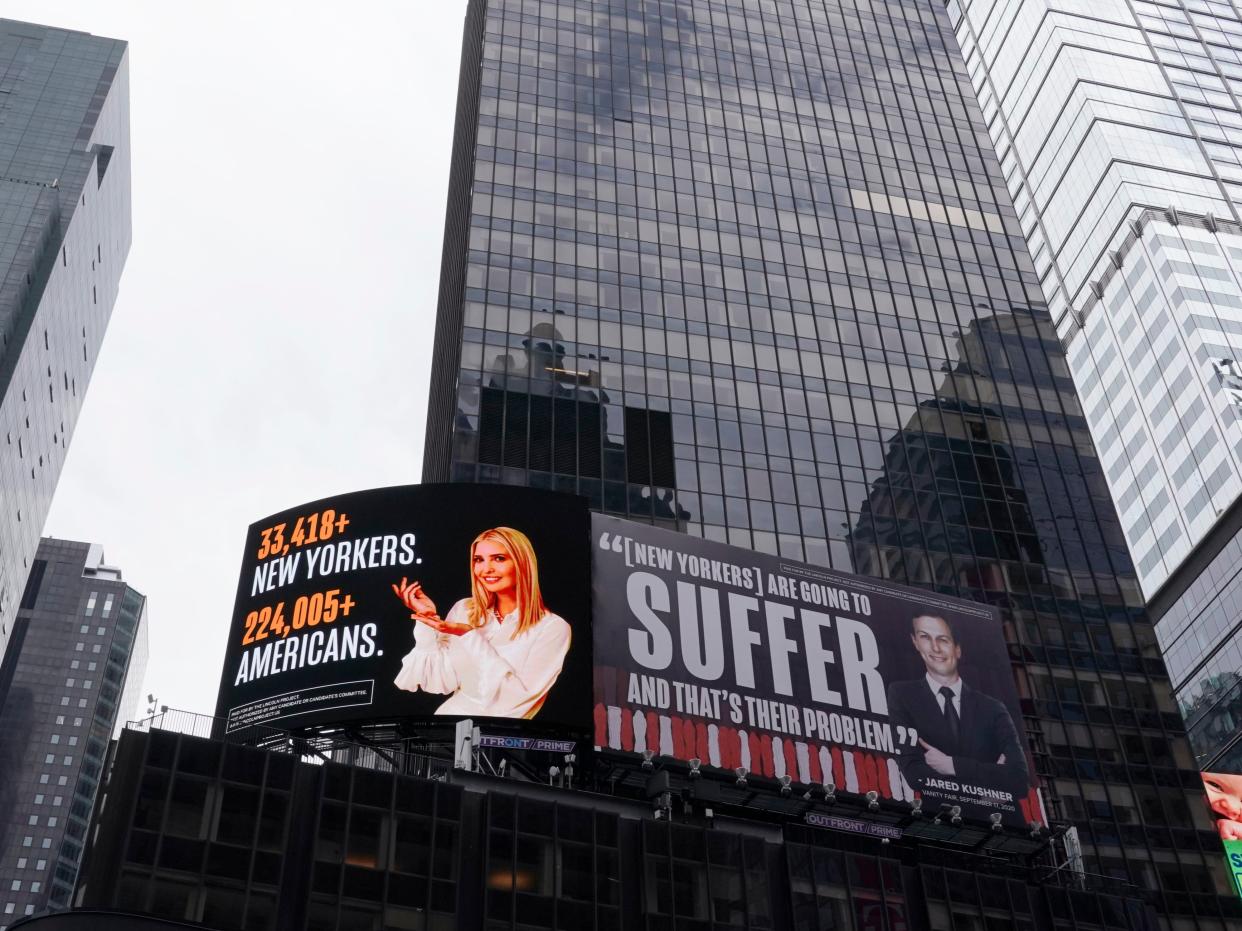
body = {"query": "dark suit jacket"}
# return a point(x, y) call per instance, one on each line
point(986, 731)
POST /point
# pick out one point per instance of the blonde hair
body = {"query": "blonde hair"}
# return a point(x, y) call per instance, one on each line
point(530, 606)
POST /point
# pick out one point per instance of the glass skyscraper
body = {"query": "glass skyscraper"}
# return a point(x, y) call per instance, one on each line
point(1119, 125)
point(750, 269)
point(64, 237)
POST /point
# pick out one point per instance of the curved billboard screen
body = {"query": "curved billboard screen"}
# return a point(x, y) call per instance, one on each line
point(423, 602)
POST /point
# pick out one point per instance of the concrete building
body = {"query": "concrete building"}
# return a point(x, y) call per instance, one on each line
point(71, 678)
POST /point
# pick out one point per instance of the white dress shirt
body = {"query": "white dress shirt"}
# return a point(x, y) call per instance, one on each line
point(490, 671)
point(956, 688)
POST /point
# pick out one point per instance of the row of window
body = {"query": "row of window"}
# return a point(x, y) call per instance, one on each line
point(105, 610)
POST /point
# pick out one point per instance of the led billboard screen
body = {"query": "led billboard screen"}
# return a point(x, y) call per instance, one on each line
point(1233, 863)
point(423, 602)
point(740, 659)
point(1224, 798)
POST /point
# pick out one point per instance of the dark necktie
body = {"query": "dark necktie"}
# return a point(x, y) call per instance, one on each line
point(950, 714)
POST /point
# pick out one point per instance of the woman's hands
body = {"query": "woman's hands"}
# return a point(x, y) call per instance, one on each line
point(423, 609)
point(414, 598)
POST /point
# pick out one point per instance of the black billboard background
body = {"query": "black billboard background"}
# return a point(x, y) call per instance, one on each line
point(716, 735)
point(444, 520)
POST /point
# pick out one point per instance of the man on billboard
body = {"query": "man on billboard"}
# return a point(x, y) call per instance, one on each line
point(497, 653)
point(964, 736)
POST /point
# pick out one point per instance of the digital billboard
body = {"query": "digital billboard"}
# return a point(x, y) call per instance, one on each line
point(1233, 863)
point(423, 602)
point(741, 659)
point(1224, 798)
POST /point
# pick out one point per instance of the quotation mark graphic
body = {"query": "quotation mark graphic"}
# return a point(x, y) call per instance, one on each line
point(609, 542)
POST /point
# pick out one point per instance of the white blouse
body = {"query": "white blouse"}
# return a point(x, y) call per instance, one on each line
point(489, 671)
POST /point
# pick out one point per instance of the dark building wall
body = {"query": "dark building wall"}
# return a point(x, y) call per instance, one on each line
point(780, 230)
point(62, 690)
point(197, 830)
point(99, 920)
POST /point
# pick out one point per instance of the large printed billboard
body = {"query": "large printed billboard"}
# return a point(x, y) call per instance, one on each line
point(423, 602)
point(740, 659)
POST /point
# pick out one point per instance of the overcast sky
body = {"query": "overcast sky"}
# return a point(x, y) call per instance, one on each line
point(272, 338)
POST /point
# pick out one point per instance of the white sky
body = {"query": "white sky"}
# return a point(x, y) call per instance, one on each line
point(272, 339)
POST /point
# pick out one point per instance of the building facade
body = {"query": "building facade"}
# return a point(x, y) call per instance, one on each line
point(750, 269)
point(234, 837)
point(1119, 127)
point(70, 680)
point(64, 237)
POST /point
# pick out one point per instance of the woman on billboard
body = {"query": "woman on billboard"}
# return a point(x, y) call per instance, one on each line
point(497, 653)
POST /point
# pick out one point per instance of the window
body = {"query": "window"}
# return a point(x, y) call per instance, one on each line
point(75, 664)
point(55, 739)
point(62, 780)
point(46, 843)
point(70, 683)
point(86, 629)
point(33, 820)
point(90, 603)
point(100, 630)
point(50, 758)
point(17, 886)
point(107, 607)
point(41, 865)
point(21, 863)
point(57, 801)
point(38, 799)
point(43, 777)
point(60, 719)
point(51, 822)
point(27, 841)
point(64, 699)
point(68, 761)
